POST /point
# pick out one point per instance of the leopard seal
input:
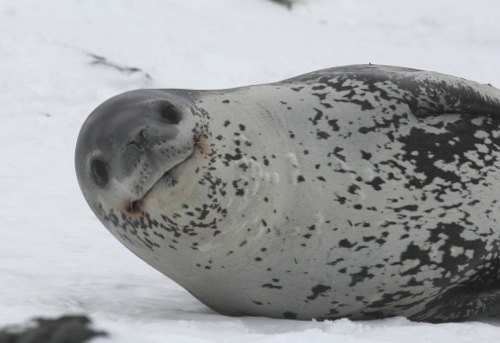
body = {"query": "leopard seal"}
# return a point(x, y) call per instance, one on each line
point(362, 191)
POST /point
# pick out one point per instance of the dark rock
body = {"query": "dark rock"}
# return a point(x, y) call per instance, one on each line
point(66, 329)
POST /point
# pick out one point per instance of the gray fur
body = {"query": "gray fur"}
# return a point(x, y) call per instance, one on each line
point(359, 191)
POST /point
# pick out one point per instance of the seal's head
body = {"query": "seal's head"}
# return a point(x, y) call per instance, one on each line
point(131, 145)
point(185, 179)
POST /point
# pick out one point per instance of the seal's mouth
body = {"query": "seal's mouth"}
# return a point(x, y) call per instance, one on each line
point(135, 207)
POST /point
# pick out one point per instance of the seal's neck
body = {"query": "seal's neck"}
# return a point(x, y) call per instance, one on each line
point(244, 169)
point(233, 197)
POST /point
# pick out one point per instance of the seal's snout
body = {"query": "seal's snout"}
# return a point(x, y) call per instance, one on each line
point(154, 134)
point(158, 126)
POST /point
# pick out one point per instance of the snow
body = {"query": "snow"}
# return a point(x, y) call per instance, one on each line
point(56, 258)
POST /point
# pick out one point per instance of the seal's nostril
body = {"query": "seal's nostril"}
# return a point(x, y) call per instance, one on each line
point(137, 145)
point(142, 134)
point(140, 140)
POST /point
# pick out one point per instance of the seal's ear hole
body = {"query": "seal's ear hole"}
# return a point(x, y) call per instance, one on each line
point(99, 170)
point(169, 113)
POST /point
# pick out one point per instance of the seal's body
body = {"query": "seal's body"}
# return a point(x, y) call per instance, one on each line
point(360, 191)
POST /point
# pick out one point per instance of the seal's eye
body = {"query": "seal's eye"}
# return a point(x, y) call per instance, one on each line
point(99, 172)
point(169, 113)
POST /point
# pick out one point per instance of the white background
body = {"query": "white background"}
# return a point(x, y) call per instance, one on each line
point(56, 258)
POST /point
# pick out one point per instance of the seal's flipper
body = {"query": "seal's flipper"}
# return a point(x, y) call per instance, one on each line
point(462, 302)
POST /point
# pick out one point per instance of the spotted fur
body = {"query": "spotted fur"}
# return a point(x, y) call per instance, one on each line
point(360, 191)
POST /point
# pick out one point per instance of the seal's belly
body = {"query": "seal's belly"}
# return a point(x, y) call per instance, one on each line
point(394, 212)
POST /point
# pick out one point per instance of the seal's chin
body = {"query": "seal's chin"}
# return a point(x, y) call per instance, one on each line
point(169, 178)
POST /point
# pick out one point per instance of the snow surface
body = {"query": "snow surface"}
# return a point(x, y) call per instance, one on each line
point(55, 256)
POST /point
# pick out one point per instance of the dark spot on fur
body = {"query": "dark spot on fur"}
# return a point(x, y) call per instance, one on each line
point(322, 135)
point(318, 290)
